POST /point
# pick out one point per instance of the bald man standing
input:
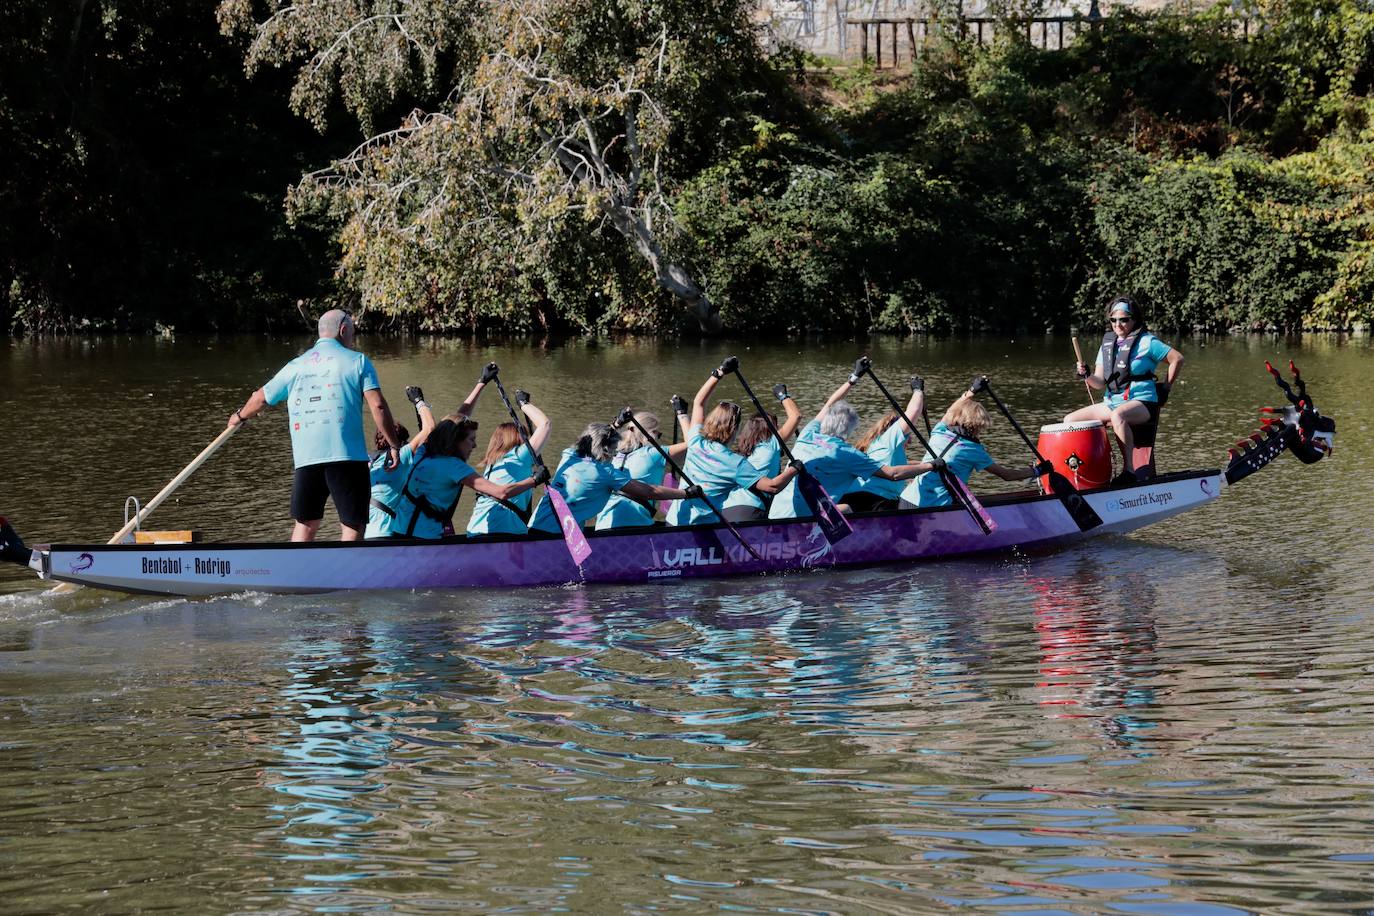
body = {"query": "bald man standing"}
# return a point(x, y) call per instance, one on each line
point(325, 388)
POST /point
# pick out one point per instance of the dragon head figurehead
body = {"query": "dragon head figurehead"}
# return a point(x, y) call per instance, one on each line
point(1299, 428)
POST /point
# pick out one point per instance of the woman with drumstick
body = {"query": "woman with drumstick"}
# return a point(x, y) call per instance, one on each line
point(1125, 370)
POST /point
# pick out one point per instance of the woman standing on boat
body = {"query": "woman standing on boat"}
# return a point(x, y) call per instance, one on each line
point(637, 455)
point(885, 442)
point(760, 448)
point(711, 464)
point(507, 460)
point(833, 461)
point(587, 478)
point(956, 440)
point(1125, 368)
point(387, 481)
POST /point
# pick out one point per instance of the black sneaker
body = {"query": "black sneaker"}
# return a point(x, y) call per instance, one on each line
point(1125, 479)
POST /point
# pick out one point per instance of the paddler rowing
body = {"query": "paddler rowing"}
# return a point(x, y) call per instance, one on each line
point(556, 550)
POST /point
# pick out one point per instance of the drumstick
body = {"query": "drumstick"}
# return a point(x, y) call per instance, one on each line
point(1079, 354)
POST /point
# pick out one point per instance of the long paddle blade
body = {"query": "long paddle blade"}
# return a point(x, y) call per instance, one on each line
point(578, 547)
point(1083, 515)
point(831, 520)
point(964, 496)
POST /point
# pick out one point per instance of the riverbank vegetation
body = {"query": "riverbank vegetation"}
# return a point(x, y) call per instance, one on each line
point(605, 165)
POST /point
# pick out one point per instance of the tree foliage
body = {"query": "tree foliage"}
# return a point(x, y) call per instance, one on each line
point(535, 121)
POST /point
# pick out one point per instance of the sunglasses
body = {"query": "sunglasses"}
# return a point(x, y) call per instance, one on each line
point(1124, 320)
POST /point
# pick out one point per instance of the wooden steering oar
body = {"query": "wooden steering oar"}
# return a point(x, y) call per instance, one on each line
point(145, 511)
point(628, 416)
point(573, 537)
point(1078, 354)
point(831, 520)
point(953, 484)
point(1083, 515)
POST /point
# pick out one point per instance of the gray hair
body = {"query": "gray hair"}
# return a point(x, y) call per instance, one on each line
point(333, 321)
point(598, 442)
point(631, 438)
point(839, 421)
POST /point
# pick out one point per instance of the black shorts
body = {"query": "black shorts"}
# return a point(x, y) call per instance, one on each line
point(348, 482)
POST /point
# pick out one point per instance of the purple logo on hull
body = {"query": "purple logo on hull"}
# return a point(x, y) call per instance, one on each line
point(82, 563)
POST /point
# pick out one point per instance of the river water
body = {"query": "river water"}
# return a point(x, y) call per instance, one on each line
point(1178, 721)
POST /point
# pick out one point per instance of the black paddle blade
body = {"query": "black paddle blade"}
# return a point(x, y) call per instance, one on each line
point(833, 524)
point(1083, 515)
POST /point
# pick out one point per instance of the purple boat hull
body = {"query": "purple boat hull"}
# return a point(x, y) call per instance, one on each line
point(626, 555)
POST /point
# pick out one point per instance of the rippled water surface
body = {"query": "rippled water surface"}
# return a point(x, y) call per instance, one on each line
point(1174, 722)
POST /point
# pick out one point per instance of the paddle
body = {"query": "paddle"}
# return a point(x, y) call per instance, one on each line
point(668, 479)
point(1078, 354)
point(832, 522)
point(628, 416)
point(576, 541)
point(1084, 515)
point(157, 500)
point(953, 484)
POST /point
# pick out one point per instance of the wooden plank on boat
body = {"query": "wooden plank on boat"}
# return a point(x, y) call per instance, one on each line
point(167, 537)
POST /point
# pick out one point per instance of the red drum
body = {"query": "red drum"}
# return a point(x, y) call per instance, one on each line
point(1080, 451)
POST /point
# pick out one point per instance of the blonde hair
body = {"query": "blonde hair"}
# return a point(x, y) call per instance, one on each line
point(969, 416)
point(503, 438)
point(631, 438)
point(721, 423)
point(876, 430)
point(598, 442)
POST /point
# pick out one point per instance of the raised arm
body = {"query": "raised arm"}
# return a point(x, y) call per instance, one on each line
point(465, 408)
point(424, 412)
point(917, 404)
point(861, 365)
point(680, 409)
point(538, 419)
point(789, 405)
point(728, 365)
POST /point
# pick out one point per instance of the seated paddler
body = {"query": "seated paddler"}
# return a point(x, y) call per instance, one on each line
point(833, 461)
point(431, 490)
point(957, 441)
point(712, 464)
point(508, 460)
point(587, 478)
point(757, 444)
point(885, 442)
point(1125, 370)
point(645, 463)
point(387, 481)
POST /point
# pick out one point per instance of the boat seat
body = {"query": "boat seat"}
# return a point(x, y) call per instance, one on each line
point(1143, 456)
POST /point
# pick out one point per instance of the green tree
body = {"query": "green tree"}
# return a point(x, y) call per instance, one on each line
point(534, 121)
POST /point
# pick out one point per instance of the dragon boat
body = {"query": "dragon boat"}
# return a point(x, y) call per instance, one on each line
point(1020, 521)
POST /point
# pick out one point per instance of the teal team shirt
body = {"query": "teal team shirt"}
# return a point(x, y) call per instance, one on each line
point(386, 489)
point(585, 484)
point(439, 480)
point(488, 515)
point(767, 458)
point(712, 466)
point(963, 459)
point(324, 389)
point(888, 449)
point(832, 461)
point(1148, 356)
point(644, 464)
